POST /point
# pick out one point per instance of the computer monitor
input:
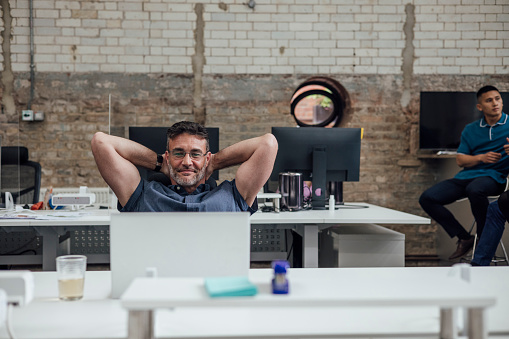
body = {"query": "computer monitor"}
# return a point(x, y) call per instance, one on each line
point(440, 125)
point(155, 139)
point(322, 155)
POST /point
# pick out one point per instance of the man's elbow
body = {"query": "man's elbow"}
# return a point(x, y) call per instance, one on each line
point(270, 143)
point(462, 160)
point(459, 160)
point(98, 141)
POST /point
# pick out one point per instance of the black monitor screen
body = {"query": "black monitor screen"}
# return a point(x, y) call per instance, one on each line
point(444, 115)
point(155, 139)
point(320, 154)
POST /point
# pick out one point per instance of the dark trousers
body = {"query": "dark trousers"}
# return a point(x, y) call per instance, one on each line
point(503, 204)
point(498, 214)
point(448, 191)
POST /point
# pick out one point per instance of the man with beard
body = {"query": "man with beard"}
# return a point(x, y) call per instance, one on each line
point(187, 163)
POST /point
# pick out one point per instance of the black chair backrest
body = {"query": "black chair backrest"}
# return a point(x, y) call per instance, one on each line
point(14, 155)
point(20, 176)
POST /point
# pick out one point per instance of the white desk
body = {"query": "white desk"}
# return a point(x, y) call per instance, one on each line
point(319, 288)
point(50, 230)
point(96, 316)
point(307, 223)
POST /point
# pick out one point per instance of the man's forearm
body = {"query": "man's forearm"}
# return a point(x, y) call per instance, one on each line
point(235, 154)
point(256, 159)
point(116, 159)
point(466, 160)
point(133, 152)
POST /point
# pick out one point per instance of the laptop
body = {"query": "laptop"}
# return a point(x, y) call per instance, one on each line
point(177, 244)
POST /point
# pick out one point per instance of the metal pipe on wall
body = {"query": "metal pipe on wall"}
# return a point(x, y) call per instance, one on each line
point(32, 66)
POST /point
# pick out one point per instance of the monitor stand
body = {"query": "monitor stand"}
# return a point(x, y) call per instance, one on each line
point(320, 186)
point(319, 175)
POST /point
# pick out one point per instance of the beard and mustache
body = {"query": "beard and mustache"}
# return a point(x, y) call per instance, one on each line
point(187, 180)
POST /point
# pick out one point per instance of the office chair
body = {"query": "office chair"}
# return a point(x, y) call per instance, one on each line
point(20, 176)
point(496, 259)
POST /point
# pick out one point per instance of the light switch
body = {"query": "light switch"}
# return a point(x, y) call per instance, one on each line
point(39, 116)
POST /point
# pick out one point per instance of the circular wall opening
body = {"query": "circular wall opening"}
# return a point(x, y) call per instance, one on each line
point(320, 102)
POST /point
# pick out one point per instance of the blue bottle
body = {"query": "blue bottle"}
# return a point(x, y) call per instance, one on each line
point(280, 282)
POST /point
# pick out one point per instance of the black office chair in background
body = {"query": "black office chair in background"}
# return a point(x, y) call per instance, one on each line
point(20, 176)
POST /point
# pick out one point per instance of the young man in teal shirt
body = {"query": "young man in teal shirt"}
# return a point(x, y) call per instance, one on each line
point(485, 166)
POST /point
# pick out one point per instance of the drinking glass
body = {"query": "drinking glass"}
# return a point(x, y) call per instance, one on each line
point(71, 276)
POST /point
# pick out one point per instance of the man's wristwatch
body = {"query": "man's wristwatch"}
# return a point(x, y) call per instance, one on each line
point(159, 162)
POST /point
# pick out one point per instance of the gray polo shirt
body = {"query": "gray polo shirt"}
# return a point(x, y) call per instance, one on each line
point(153, 196)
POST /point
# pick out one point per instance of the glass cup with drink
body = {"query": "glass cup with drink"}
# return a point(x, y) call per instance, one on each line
point(71, 276)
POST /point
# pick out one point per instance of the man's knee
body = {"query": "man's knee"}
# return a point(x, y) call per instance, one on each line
point(475, 193)
point(503, 201)
point(424, 199)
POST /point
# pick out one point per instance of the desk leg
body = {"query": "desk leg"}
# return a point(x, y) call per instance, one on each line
point(476, 325)
point(448, 325)
point(49, 247)
point(140, 325)
point(310, 245)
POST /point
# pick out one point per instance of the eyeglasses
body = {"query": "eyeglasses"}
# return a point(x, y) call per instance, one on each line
point(180, 154)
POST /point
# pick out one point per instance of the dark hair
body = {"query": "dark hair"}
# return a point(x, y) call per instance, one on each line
point(188, 127)
point(486, 89)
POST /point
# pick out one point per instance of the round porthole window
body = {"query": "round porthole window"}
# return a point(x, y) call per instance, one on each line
point(320, 102)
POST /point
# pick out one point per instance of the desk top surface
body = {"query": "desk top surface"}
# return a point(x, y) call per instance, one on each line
point(84, 217)
point(347, 215)
point(317, 288)
point(354, 213)
point(97, 316)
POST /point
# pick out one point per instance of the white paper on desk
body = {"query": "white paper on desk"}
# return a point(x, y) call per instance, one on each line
point(49, 216)
point(17, 216)
point(62, 215)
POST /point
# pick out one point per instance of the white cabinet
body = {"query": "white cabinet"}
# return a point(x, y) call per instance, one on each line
point(365, 245)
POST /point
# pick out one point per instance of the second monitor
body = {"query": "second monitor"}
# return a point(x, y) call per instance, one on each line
point(322, 155)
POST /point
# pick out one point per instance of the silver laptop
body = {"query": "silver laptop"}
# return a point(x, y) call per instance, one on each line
point(178, 244)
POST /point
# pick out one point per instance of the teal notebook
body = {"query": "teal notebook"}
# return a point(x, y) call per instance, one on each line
point(229, 287)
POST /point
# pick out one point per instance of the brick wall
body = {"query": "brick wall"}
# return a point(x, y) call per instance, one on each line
point(236, 68)
point(276, 37)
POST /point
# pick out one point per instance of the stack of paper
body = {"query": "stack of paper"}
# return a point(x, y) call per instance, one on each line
point(229, 287)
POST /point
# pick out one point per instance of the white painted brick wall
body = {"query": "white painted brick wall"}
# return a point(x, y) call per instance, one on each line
point(278, 36)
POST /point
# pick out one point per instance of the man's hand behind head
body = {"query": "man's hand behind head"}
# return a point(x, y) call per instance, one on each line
point(210, 167)
point(165, 168)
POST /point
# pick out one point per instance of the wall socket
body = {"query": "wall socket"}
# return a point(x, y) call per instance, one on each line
point(27, 115)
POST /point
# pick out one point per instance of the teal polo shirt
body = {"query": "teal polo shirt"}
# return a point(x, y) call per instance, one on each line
point(477, 138)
